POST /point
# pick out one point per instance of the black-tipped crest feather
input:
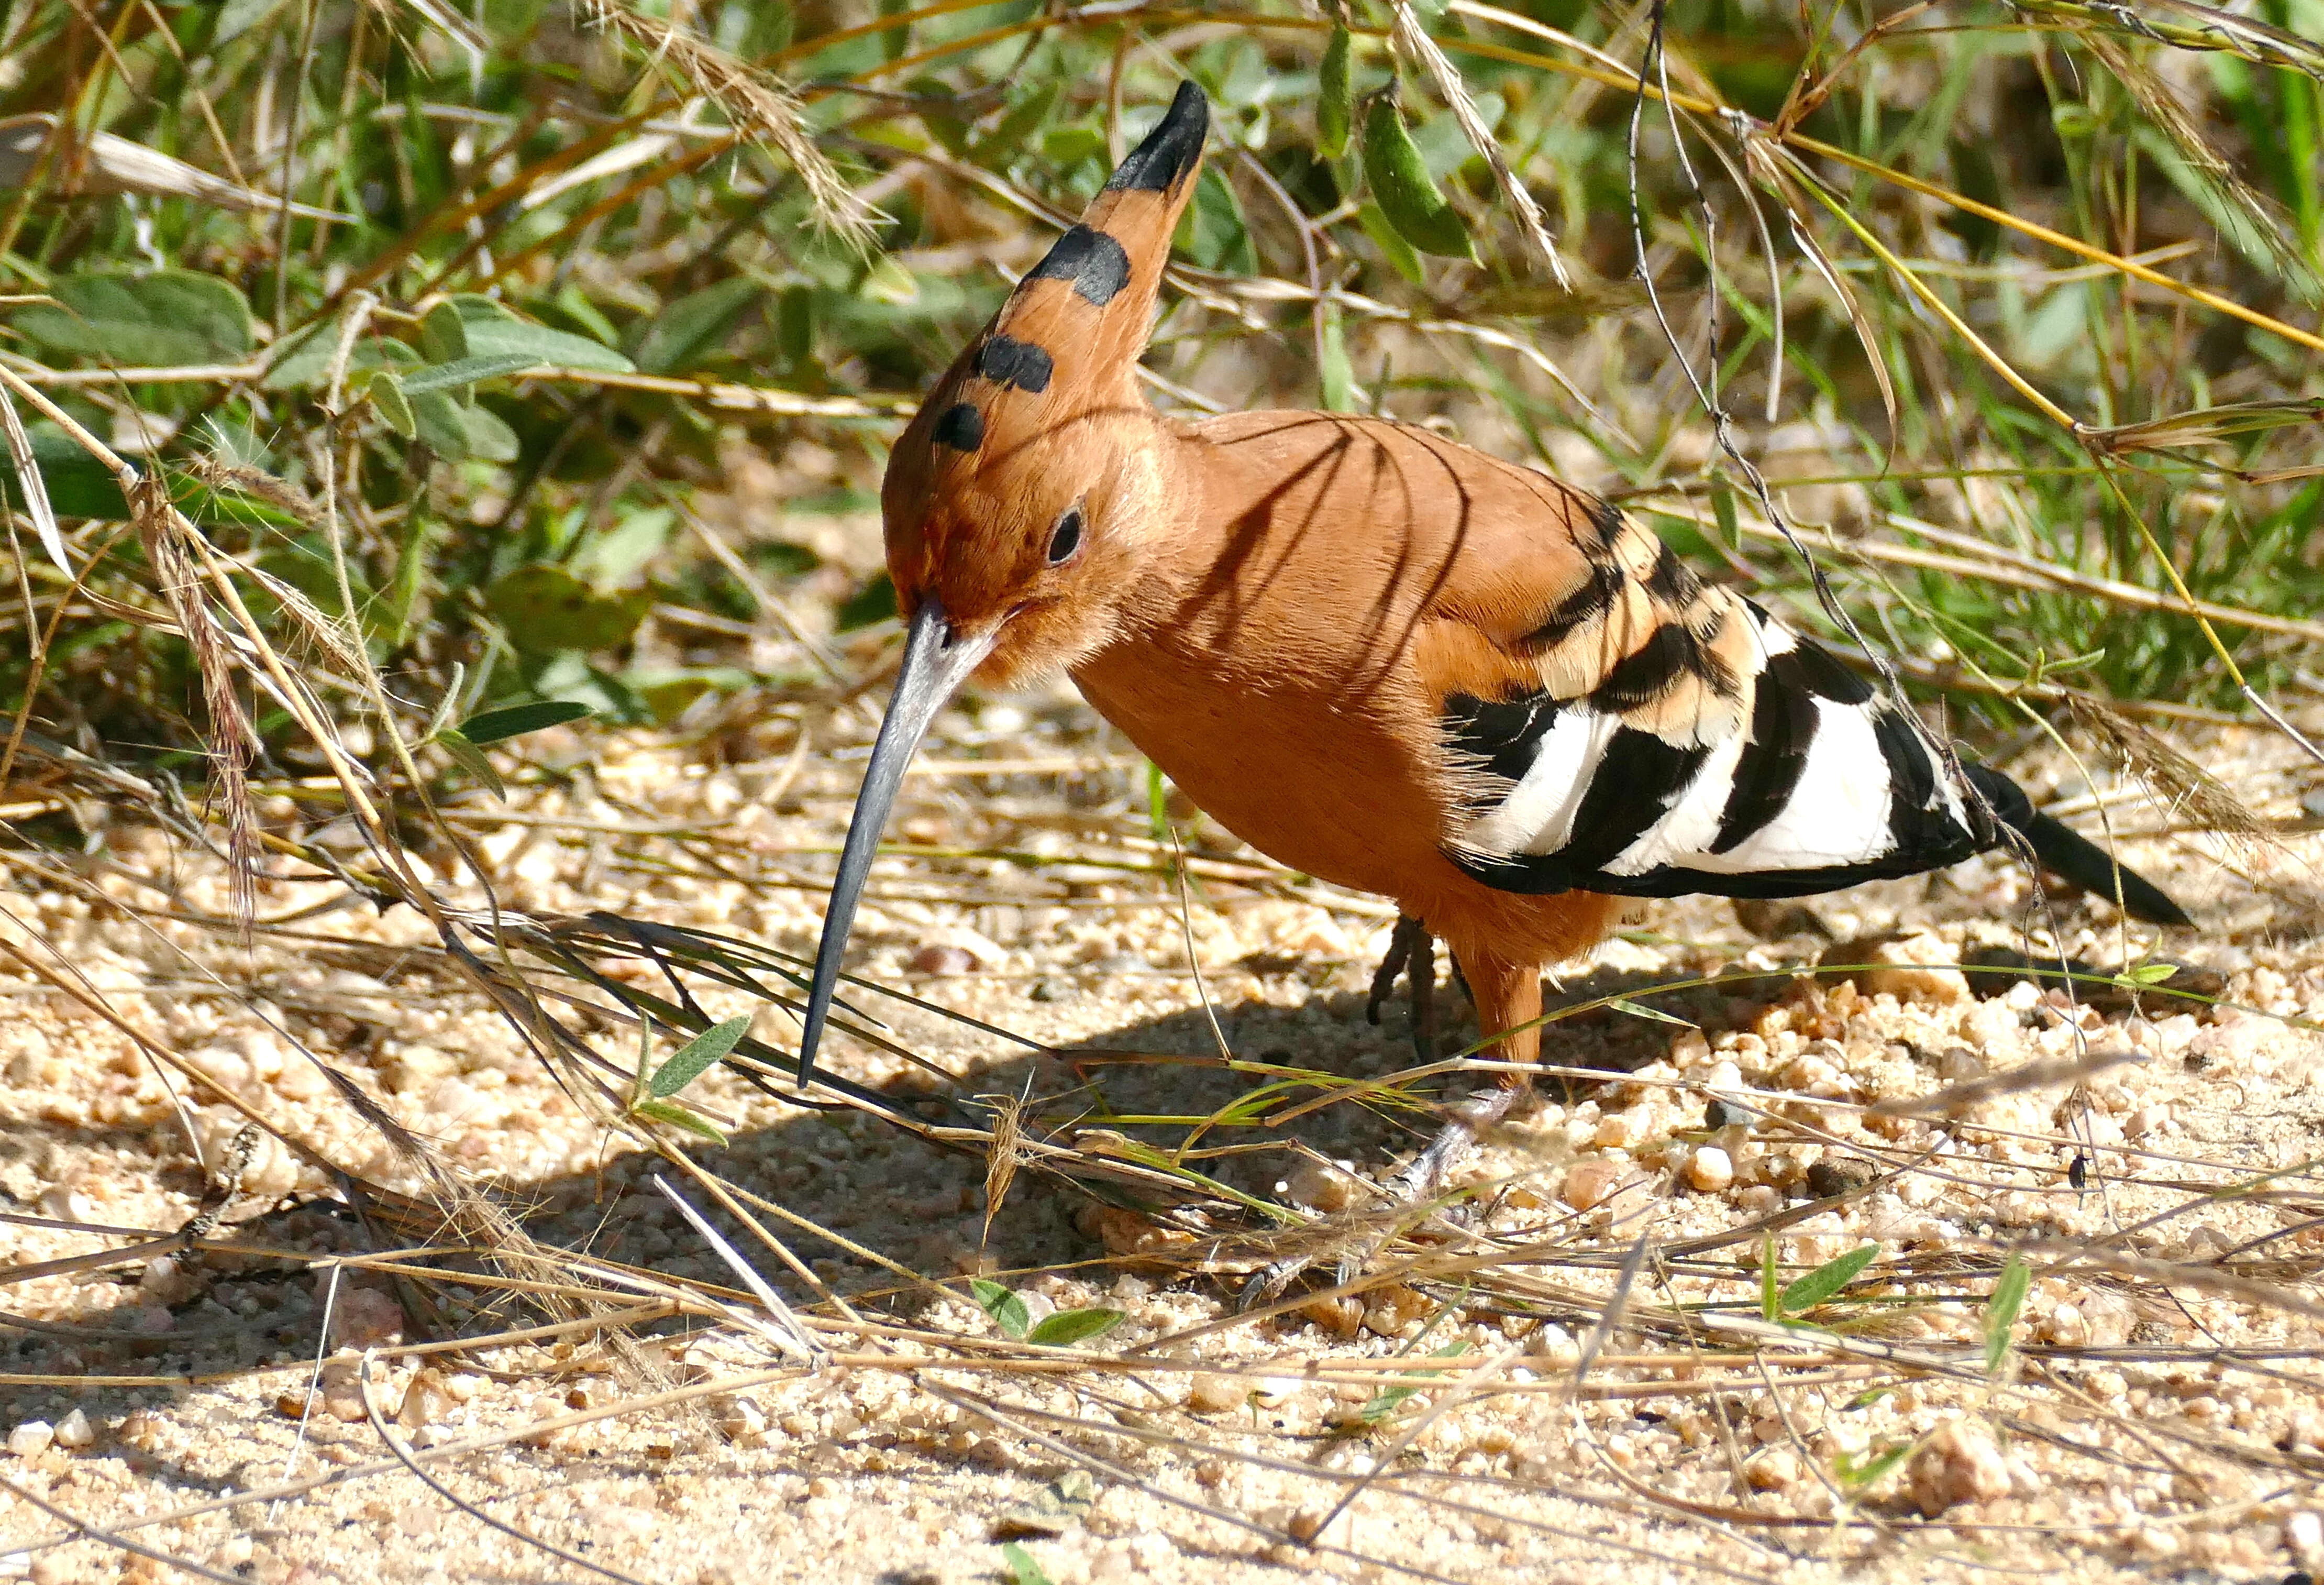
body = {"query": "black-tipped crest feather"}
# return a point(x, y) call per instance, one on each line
point(1171, 150)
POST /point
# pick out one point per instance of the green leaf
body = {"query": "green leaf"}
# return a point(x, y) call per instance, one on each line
point(1407, 194)
point(1157, 805)
point(1337, 374)
point(80, 485)
point(1022, 122)
point(697, 1055)
point(1385, 236)
point(490, 329)
point(678, 1117)
point(166, 316)
point(874, 602)
point(1859, 1474)
point(2001, 1310)
point(514, 720)
point(1826, 1280)
point(1068, 1327)
point(2146, 974)
point(1006, 1309)
point(444, 335)
point(613, 557)
point(692, 330)
point(387, 395)
point(547, 609)
point(490, 439)
point(468, 371)
point(407, 590)
point(1335, 100)
point(1381, 1404)
point(304, 358)
point(1022, 1569)
point(471, 759)
point(442, 423)
point(1771, 1298)
point(1640, 1010)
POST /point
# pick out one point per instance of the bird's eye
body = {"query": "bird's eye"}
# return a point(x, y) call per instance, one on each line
point(1066, 537)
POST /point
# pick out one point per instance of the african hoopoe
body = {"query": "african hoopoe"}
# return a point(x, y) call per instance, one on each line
point(1377, 655)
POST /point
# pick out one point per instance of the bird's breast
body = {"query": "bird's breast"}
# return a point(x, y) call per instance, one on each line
point(1334, 774)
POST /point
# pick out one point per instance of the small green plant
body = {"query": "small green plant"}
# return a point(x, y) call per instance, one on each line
point(463, 744)
point(651, 1096)
point(1859, 1472)
point(1385, 1402)
point(1022, 1569)
point(1818, 1287)
point(1062, 1329)
point(2001, 1310)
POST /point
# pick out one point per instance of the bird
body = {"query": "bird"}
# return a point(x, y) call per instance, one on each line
point(1381, 657)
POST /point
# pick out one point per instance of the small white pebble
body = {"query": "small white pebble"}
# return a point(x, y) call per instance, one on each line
point(31, 1439)
point(1958, 1464)
point(618, 1522)
point(1619, 1132)
point(1211, 1394)
point(2303, 1534)
point(1589, 1182)
point(1710, 1169)
point(74, 1431)
point(1275, 1391)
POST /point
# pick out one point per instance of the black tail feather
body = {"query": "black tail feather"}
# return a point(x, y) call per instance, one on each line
point(2067, 853)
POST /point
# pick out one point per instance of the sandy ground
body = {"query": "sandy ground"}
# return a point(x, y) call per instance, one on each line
point(2157, 1414)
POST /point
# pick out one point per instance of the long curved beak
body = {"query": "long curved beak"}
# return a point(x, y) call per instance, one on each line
point(936, 662)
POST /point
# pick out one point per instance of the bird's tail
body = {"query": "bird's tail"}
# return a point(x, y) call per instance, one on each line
point(2067, 853)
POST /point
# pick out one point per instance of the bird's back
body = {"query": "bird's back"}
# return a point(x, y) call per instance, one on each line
point(1381, 644)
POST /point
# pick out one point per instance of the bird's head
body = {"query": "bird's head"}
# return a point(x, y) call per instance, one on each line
point(1021, 499)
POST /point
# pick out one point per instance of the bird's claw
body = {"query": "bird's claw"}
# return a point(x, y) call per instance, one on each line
point(1421, 1182)
point(1411, 952)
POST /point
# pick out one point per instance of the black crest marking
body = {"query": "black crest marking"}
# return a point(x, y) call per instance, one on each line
point(1018, 364)
point(962, 428)
point(1592, 600)
point(1093, 262)
point(1506, 735)
point(1170, 151)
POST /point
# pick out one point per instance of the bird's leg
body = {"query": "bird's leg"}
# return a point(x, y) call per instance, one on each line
point(1411, 952)
point(1507, 995)
point(1508, 998)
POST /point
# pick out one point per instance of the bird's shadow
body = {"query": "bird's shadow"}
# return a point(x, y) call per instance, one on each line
point(889, 1201)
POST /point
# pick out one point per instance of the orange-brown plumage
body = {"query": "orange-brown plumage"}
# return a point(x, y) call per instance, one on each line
point(1378, 655)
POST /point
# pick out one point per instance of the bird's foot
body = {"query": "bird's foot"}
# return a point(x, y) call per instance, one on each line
point(1411, 952)
point(1410, 1194)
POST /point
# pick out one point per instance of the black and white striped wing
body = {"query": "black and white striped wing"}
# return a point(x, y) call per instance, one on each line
point(1803, 781)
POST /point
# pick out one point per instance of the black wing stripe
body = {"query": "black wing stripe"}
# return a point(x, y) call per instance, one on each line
point(1592, 600)
point(1635, 783)
point(1813, 670)
point(1648, 672)
point(1506, 735)
point(1783, 728)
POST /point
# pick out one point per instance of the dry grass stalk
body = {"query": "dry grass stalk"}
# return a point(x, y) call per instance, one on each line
point(759, 104)
point(1412, 40)
point(2175, 780)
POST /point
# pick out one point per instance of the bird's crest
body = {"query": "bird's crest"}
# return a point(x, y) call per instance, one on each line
point(1067, 343)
